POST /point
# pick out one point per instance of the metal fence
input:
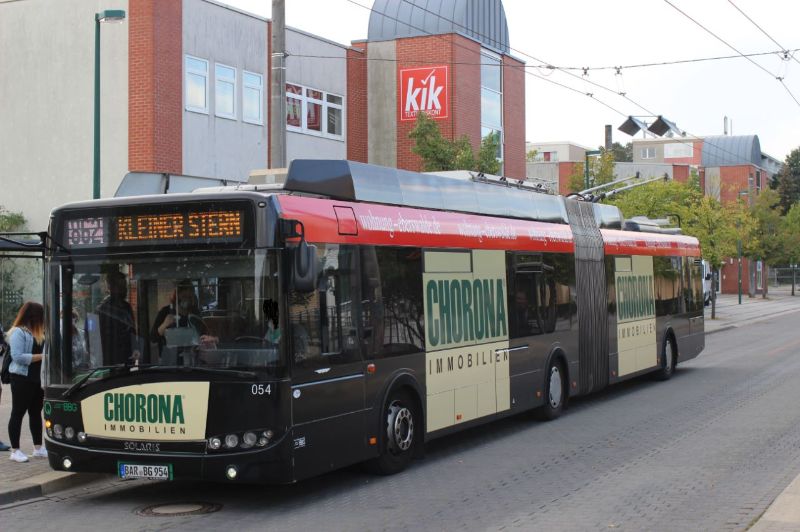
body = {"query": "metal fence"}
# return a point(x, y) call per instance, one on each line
point(782, 276)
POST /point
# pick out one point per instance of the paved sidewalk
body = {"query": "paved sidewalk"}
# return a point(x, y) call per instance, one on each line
point(35, 478)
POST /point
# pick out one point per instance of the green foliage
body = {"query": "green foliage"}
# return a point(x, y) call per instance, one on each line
point(768, 246)
point(658, 199)
point(531, 155)
point(10, 221)
point(440, 154)
point(620, 153)
point(576, 180)
point(10, 292)
point(791, 234)
point(789, 181)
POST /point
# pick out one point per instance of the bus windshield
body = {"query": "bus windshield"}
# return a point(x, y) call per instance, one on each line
point(209, 311)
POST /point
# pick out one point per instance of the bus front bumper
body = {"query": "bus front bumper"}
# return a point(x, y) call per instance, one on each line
point(270, 465)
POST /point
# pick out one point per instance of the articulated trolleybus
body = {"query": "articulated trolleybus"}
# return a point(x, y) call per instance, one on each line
point(268, 333)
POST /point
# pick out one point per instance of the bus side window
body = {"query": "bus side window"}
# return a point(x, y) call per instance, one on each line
point(391, 281)
point(323, 323)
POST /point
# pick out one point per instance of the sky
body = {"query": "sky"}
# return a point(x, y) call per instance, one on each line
point(587, 33)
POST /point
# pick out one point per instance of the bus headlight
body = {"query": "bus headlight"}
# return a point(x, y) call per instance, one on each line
point(69, 433)
point(58, 431)
point(248, 440)
point(231, 441)
point(214, 443)
point(82, 437)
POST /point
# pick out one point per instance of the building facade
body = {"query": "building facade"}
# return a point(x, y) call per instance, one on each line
point(449, 60)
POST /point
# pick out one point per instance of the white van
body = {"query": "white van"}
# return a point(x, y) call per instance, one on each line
point(707, 277)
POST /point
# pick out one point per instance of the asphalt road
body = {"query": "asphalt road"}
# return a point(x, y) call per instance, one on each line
point(707, 450)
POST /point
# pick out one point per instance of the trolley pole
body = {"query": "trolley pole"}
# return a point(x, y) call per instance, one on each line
point(277, 126)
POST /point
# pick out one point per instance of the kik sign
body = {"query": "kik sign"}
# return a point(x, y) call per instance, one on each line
point(424, 90)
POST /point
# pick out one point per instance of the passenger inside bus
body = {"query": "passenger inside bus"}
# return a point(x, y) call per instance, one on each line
point(116, 324)
point(179, 330)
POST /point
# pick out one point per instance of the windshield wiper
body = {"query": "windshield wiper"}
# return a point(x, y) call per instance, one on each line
point(78, 385)
point(188, 369)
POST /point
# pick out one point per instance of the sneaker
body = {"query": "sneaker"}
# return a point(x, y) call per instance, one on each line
point(18, 456)
point(41, 452)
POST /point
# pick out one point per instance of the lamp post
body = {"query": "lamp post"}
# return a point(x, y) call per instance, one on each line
point(586, 166)
point(109, 15)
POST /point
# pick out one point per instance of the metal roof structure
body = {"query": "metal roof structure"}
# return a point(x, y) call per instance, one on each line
point(481, 20)
point(730, 150)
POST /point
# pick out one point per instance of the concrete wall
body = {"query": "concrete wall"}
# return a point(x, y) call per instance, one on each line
point(215, 146)
point(321, 73)
point(382, 105)
point(47, 102)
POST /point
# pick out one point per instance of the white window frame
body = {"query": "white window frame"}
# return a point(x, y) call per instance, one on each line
point(260, 89)
point(496, 127)
point(305, 100)
point(219, 79)
point(645, 152)
point(187, 71)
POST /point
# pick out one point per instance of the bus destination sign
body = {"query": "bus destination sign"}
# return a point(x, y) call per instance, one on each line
point(155, 228)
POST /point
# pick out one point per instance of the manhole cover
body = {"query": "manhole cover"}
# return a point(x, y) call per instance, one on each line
point(178, 509)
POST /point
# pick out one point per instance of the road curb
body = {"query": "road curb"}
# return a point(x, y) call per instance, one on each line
point(44, 484)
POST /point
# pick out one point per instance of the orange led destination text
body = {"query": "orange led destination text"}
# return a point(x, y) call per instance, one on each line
point(191, 225)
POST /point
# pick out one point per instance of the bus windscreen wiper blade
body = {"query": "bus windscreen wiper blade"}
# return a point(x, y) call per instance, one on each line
point(75, 387)
point(188, 369)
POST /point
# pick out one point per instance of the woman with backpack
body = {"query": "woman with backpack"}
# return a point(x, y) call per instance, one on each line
point(26, 339)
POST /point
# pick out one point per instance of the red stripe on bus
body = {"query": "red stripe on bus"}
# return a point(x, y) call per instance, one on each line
point(387, 225)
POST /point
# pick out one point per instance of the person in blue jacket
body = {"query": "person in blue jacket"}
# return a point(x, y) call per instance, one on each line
point(26, 339)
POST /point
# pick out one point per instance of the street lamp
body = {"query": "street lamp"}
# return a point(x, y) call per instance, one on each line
point(110, 16)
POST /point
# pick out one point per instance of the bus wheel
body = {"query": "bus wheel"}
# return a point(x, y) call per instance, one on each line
point(667, 361)
point(555, 391)
point(400, 435)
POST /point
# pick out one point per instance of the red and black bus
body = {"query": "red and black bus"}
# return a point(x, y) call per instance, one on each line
point(268, 333)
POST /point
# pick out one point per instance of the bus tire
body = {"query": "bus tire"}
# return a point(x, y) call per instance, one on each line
point(555, 391)
point(668, 360)
point(400, 434)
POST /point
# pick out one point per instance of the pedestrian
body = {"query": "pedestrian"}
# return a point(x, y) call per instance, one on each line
point(26, 339)
point(4, 353)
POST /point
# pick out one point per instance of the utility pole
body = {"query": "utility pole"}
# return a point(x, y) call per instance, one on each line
point(277, 126)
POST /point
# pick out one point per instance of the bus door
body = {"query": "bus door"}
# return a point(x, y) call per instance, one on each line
point(327, 366)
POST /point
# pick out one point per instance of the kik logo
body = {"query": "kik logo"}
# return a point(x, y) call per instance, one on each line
point(423, 90)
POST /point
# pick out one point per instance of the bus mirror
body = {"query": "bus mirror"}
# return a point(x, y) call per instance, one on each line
point(304, 267)
point(708, 277)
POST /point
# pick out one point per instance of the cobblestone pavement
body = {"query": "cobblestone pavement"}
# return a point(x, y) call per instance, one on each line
point(708, 450)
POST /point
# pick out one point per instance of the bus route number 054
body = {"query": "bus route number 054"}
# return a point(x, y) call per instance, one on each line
point(261, 389)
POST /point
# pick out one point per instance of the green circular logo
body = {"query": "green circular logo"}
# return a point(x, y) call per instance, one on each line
point(48, 408)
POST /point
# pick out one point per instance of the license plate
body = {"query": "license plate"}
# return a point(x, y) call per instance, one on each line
point(152, 472)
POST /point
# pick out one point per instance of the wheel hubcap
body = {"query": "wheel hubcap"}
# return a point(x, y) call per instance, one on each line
point(668, 357)
point(400, 428)
point(554, 394)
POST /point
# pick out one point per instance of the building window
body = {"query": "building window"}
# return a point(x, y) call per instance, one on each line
point(648, 153)
point(196, 84)
point(492, 99)
point(225, 91)
point(252, 98)
point(314, 111)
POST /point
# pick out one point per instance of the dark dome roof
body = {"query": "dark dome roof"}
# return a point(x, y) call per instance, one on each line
point(729, 150)
point(482, 20)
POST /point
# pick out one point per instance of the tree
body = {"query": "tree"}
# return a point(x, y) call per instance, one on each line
point(531, 155)
point(658, 199)
point(620, 153)
point(601, 171)
point(440, 154)
point(9, 221)
point(769, 245)
point(790, 238)
point(789, 181)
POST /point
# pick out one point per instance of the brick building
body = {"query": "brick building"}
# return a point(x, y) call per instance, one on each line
point(448, 59)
